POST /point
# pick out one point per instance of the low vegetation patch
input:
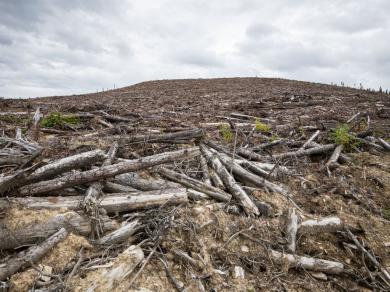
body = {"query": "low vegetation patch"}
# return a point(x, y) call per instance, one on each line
point(226, 133)
point(58, 120)
point(341, 136)
point(261, 127)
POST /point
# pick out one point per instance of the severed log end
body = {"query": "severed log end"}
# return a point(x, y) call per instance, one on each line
point(329, 224)
point(308, 263)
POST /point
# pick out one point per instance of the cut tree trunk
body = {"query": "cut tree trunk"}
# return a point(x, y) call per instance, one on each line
point(330, 224)
point(120, 235)
point(307, 263)
point(111, 203)
point(24, 259)
point(189, 182)
point(249, 206)
point(32, 234)
point(105, 172)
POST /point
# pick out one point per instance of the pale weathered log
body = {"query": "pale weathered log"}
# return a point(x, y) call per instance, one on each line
point(248, 205)
point(253, 118)
point(35, 126)
point(32, 234)
point(106, 172)
point(216, 180)
point(225, 124)
point(12, 181)
point(306, 152)
point(111, 187)
point(335, 155)
point(205, 170)
point(120, 235)
point(24, 259)
point(307, 263)
point(315, 226)
point(189, 182)
point(134, 180)
point(291, 229)
point(65, 164)
point(13, 159)
point(384, 144)
point(110, 277)
point(92, 195)
point(251, 178)
point(268, 145)
point(249, 154)
point(311, 139)
point(111, 203)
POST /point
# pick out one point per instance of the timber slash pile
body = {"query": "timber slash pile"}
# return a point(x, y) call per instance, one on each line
point(197, 185)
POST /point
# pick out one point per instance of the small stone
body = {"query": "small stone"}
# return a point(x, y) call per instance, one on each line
point(239, 272)
point(320, 276)
point(244, 248)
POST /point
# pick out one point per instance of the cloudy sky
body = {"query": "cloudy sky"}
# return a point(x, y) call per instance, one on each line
point(51, 47)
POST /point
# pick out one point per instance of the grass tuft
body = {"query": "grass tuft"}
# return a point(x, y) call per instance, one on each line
point(261, 127)
point(226, 133)
point(58, 120)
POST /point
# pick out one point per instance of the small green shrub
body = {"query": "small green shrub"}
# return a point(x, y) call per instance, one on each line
point(226, 133)
point(261, 127)
point(274, 137)
point(386, 214)
point(58, 120)
point(341, 136)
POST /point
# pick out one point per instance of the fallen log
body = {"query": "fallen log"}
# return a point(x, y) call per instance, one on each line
point(112, 203)
point(249, 154)
point(315, 226)
point(291, 229)
point(105, 172)
point(384, 144)
point(311, 139)
point(108, 278)
point(216, 180)
point(120, 235)
point(306, 152)
point(92, 195)
point(111, 187)
point(62, 165)
point(195, 184)
point(249, 206)
point(32, 234)
point(307, 263)
point(251, 178)
point(205, 170)
point(24, 259)
point(135, 181)
point(335, 155)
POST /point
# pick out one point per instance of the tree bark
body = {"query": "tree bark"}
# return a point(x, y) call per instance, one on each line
point(32, 234)
point(205, 170)
point(111, 187)
point(134, 180)
point(111, 203)
point(105, 172)
point(24, 258)
point(195, 184)
point(249, 207)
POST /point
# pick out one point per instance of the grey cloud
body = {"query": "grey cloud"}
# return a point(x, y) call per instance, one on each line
point(62, 47)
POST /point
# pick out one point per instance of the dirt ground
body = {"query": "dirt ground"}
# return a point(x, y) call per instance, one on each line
point(215, 234)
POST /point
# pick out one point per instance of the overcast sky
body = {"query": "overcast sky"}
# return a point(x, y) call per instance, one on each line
point(51, 47)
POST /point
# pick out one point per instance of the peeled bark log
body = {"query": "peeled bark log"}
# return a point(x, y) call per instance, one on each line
point(330, 224)
point(250, 154)
point(105, 172)
point(195, 184)
point(291, 229)
point(311, 139)
point(216, 180)
point(24, 259)
point(109, 278)
point(307, 263)
point(32, 234)
point(120, 235)
point(248, 205)
point(112, 203)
